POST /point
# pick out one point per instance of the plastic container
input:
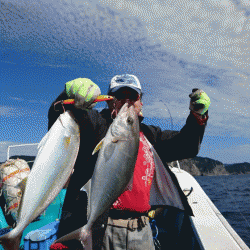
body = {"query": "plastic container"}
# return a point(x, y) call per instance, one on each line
point(41, 238)
point(51, 215)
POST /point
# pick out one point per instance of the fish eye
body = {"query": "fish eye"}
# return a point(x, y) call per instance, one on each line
point(130, 120)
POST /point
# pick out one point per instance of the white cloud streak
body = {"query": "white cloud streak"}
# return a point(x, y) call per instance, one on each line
point(8, 111)
point(173, 47)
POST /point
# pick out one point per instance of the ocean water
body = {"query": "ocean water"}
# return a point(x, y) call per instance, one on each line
point(231, 195)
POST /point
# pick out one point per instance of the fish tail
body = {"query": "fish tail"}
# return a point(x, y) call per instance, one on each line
point(10, 241)
point(82, 234)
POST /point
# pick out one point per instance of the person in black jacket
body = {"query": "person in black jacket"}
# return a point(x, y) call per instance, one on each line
point(157, 147)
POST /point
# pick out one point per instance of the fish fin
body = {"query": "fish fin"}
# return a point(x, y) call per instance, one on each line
point(81, 234)
point(10, 241)
point(87, 188)
point(98, 146)
point(67, 141)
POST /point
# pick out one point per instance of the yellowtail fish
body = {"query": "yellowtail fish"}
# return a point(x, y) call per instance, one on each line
point(113, 170)
point(51, 169)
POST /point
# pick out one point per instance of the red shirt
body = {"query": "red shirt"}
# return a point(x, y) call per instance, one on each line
point(137, 198)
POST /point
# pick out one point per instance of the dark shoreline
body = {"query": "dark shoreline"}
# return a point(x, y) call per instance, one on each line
point(223, 174)
point(197, 166)
point(202, 166)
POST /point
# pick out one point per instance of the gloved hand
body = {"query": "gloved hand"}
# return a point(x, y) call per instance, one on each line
point(199, 102)
point(84, 91)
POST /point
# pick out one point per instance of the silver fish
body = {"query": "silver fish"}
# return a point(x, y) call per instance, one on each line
point(52, 167)
point(113, 170)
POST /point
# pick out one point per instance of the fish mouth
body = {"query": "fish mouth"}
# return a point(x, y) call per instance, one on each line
point(123, 109)
point(127, 114)
point(123, 123)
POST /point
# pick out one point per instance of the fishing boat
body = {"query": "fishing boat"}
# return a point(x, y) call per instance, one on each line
point(207, 229)
point(211, 229)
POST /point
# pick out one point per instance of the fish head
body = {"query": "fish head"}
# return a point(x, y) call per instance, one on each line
point(126, 124)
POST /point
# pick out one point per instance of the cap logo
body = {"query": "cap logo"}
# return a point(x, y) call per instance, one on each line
point(125, 80)
point(120, 80)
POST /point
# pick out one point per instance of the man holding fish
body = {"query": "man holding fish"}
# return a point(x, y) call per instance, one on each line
point(128, 176)
point(152, 183)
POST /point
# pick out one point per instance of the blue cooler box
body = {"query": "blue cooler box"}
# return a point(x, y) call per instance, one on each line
point(42, 232)
point(41, 238)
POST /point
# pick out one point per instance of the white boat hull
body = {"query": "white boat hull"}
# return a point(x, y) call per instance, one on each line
point(210, 227)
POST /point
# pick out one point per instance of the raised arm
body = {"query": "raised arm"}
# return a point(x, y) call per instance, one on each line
point(174, 145)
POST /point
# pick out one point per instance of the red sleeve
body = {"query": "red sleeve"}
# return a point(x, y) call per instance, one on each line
point(201, 119)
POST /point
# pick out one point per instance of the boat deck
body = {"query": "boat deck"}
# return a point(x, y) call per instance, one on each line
point(210, 227)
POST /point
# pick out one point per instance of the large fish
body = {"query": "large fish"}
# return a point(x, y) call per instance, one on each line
point(52, 167)
point(113, 170)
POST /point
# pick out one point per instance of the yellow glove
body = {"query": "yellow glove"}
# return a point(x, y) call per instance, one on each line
point(199, 102)
point(84, 91)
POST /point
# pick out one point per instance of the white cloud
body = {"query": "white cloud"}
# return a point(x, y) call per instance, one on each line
point(192, 27)
point(27, 100)
point(245, 3)
point(9, 111)
point(4, 111)
point(173, 46)
point(207, 32)
point(237, 154)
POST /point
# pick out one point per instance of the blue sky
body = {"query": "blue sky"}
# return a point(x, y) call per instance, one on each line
point(171, 46)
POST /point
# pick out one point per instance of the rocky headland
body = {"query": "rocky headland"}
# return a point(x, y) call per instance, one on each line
point(207, 167)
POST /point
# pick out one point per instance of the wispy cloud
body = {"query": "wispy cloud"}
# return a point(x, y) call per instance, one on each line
point(172, 46)
point(8, 111)
point(236, 154)
point(211, 32)
point(29, 101)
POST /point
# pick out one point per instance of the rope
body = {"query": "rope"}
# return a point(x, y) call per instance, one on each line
point(4, 177)
point(14, 173)
point(156, 241)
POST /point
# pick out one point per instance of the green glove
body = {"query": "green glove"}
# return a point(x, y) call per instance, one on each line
point(199, 102)
point(84, 91)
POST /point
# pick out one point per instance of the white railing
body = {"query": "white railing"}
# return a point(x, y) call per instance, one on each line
point(178, 165)
point(21, 145)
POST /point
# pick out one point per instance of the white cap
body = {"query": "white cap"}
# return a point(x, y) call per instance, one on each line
point(126, 80)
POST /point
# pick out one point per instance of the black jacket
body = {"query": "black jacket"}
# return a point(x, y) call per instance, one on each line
point(170, 145)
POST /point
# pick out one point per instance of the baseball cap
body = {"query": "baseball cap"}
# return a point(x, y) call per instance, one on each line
point(126, 80)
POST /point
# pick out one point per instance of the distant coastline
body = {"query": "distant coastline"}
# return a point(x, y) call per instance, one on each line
point(202, 166)
point(197, 166)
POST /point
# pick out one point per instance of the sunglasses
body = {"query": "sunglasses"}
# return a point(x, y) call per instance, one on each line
point(126, 94)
